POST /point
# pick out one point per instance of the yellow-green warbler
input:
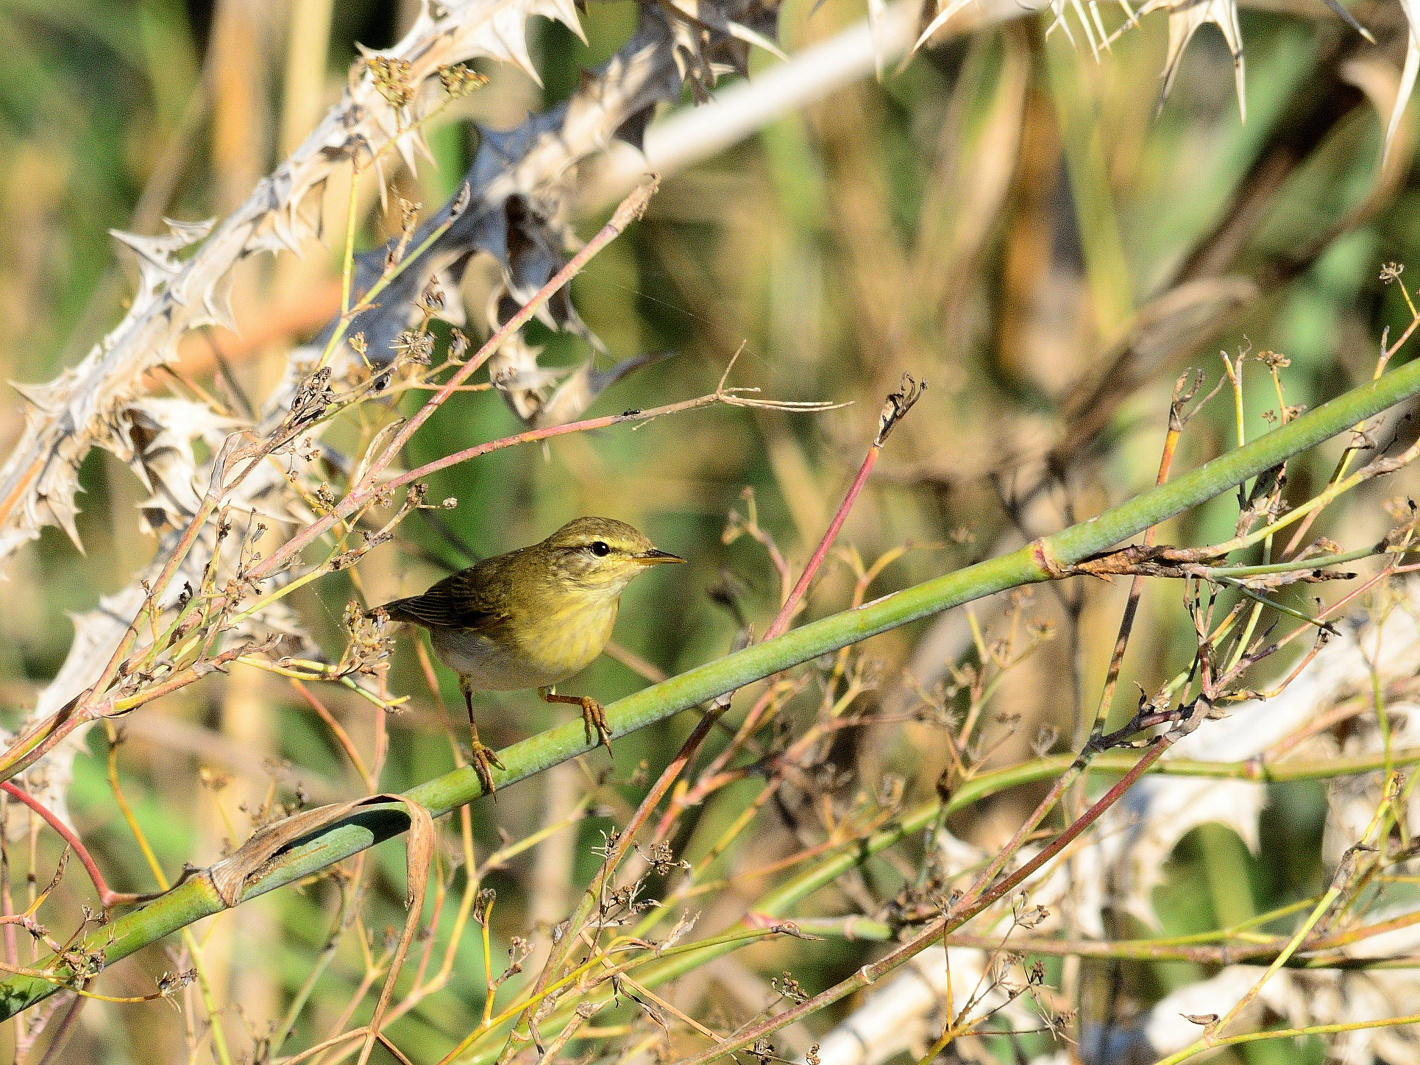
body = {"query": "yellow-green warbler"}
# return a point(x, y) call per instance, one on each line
point(533, 617)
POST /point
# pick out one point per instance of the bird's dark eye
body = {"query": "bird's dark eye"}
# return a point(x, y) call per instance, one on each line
point(600, 548)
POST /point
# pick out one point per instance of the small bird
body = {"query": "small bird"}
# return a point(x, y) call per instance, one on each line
point(533, 617)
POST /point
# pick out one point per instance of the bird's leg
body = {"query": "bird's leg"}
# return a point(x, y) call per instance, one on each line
point(593, 716)
point(482, 756)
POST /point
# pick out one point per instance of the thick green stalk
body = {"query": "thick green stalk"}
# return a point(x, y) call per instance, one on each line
point(1039, 561)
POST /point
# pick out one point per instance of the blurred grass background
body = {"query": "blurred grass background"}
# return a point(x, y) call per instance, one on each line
point(989, 218)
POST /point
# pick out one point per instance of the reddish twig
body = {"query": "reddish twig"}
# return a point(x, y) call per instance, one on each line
point(894, 408)
point(341, 736)
point(107, 897)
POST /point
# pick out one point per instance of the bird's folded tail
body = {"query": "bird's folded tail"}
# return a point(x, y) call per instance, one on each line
point(438, 607)
point(397, 609)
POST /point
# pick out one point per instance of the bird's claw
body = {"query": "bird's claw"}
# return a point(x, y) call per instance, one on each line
point(594, 716)
point(483, 757)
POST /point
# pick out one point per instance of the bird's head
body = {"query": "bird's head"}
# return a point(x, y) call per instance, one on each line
point(599, 554)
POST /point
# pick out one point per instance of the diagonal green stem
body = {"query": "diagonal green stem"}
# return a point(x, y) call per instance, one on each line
point(1042, 560)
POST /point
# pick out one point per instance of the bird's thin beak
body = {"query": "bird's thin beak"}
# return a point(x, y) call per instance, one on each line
point(655, 557)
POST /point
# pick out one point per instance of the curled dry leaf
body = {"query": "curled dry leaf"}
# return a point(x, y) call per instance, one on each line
point(262, 852)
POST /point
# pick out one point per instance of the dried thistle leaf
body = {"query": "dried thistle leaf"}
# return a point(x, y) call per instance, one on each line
point(1185, 16)
point(1407, 74)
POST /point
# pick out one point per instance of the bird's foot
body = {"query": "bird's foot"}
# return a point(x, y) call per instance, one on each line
point(595, 719)
point(483, 758)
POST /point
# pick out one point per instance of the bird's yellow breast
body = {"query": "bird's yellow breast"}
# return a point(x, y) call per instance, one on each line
point(545, 641)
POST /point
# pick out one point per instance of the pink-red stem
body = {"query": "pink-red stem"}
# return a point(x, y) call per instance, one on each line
point(107, 898)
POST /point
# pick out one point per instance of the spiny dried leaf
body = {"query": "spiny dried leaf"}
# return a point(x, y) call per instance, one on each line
point(157, 264)
point(581, 389)
point(712, 17)
point(155, 436)
point(1089, 22)
point(514, 371)
point(507, 214)
point(1185, 16)
point(942, 17)
point(497, 30)
point(67, 416)
point(1412, 67)
point(216, 306)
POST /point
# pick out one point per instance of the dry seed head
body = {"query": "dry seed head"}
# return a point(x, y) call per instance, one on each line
point(211, 778)
point(391, 77)
point(313, 396)
point(171, 983)
point(1041, 629)
point(458, 346)
point(482, 904)
point(790, 988)
point(431, 300)
point(459, 79)
point(415, 347)
point(660, 858)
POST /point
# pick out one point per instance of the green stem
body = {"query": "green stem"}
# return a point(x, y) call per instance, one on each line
point(1039, 561)
point(1317, 562)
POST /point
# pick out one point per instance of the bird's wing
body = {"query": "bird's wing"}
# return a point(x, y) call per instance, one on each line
point(462, 600)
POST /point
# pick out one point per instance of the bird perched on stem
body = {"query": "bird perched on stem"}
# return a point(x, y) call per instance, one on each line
point(533, 617)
